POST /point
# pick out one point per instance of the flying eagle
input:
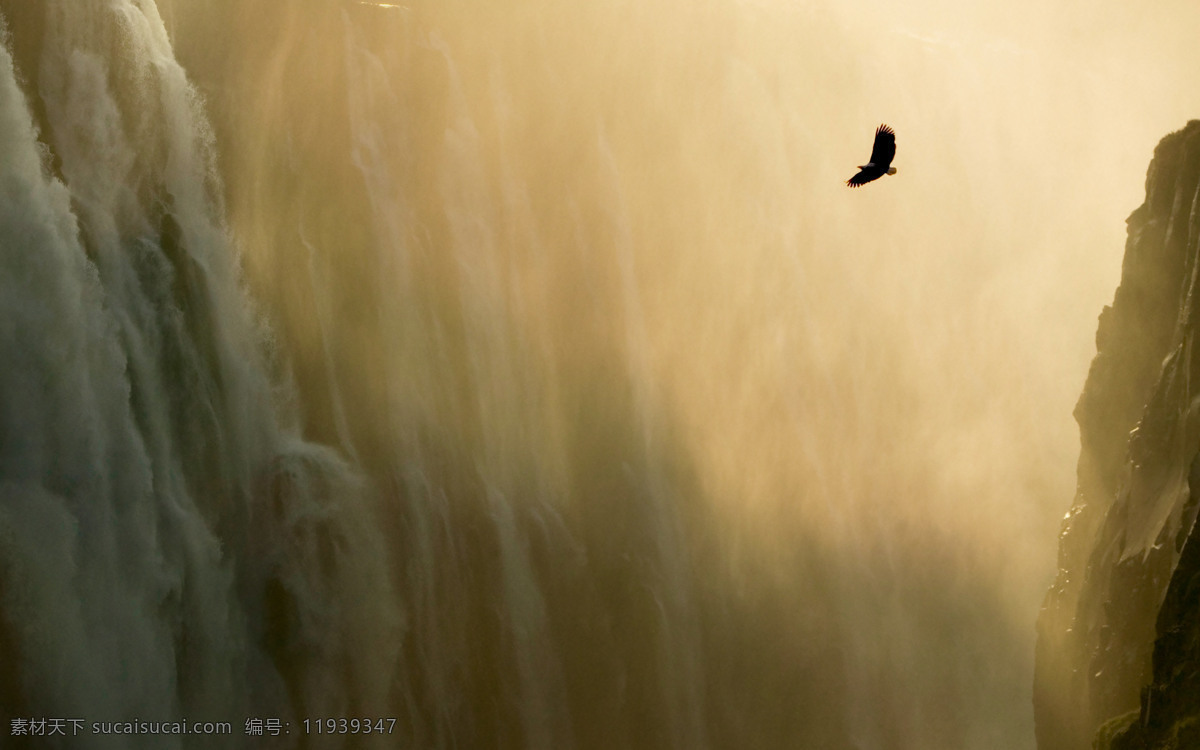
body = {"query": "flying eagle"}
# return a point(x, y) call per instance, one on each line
point(882, 154)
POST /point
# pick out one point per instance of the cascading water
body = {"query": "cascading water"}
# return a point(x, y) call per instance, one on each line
point(169, 550)
point(522, 374)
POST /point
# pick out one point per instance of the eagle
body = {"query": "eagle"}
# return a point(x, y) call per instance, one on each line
point(882, 154)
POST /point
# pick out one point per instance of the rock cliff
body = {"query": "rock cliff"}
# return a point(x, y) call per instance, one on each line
point(1118, 652)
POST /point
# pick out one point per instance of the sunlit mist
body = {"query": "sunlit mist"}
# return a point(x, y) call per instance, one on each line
point(595, 410)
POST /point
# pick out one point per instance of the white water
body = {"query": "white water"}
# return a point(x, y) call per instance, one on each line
point(152, 505)
point(527, 374)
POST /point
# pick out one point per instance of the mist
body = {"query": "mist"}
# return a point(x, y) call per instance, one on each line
point(543, 385)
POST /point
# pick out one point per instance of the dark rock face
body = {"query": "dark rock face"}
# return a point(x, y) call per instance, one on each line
point(1118, 651)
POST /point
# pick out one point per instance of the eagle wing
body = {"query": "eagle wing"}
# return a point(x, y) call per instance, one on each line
point(865, 175)
point(884, 149)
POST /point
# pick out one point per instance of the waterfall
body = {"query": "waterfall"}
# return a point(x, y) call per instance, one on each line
point(522, 375)
point(170, 549)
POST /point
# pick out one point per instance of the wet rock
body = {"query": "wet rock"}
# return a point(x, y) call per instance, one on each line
point(1119, 634)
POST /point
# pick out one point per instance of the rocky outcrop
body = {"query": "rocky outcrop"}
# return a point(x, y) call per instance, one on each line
point(1118, 651)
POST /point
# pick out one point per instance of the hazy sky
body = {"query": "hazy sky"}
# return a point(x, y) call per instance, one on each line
point(886, 374)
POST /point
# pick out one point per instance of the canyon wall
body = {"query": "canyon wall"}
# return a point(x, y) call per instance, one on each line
point(1117, 635)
